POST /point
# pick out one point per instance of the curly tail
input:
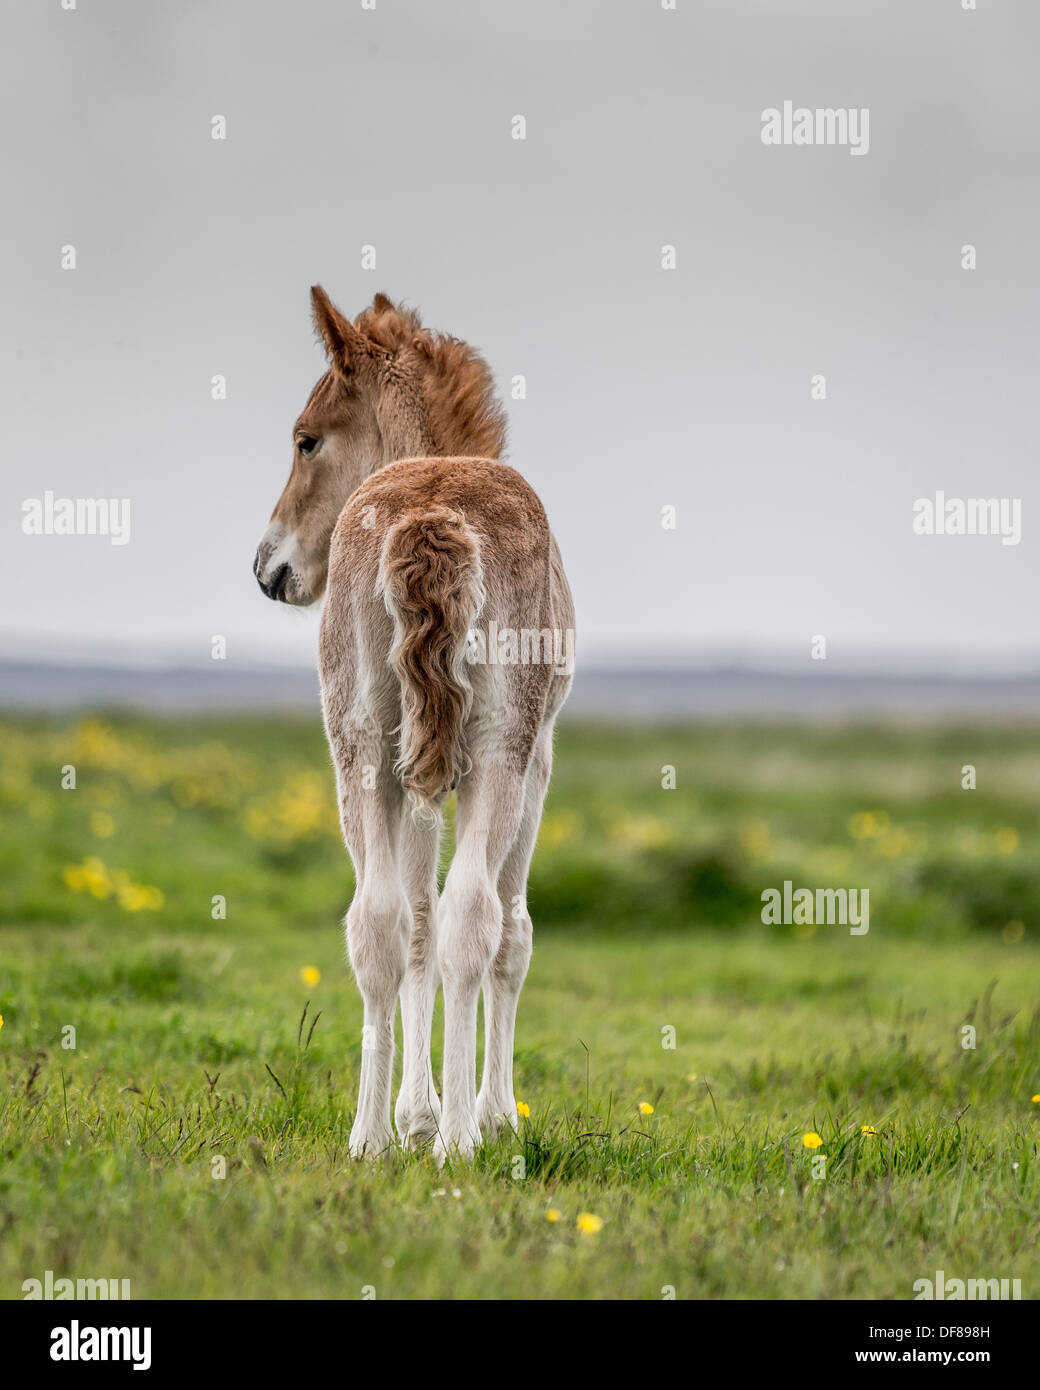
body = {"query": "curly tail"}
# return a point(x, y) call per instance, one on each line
point(431, 582)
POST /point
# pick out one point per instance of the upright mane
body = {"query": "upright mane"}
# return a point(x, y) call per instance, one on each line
point(463, 413)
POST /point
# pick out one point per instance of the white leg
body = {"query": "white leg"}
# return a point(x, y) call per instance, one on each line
point(378, 928)
point(469, 932)
point(496, 1103)
point(418, 1109)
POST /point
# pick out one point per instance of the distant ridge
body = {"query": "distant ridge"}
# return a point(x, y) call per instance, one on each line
point(628, 694)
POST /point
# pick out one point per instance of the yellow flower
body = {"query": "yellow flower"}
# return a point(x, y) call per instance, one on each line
point(811, 1140)
point(92, 877)
point(96, 878)
point(96, 742)
point(645, 1108)
point(555, 829)
point(754, 839)
point(302, 810)
point(1006, 840)
point(137, 897)
point(552, 1214)
point(2, 1024)
point(867, 825)
point(692, 1076)
point(1036, 1099)
point(895, 843)
point(867, 1129)
point(89, 877)
point(640, 832)
point(74, 878)
point(310, 974)
point(589, 1224)
point(523, 1109)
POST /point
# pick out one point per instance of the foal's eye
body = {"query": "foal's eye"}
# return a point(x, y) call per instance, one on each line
point(306, 443)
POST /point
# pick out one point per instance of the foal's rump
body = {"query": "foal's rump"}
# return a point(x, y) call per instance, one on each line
point(431, 581)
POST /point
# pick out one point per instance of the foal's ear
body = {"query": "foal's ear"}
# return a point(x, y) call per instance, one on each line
point(345, 346)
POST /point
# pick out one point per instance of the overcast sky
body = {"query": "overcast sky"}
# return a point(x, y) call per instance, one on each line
point(645, 387)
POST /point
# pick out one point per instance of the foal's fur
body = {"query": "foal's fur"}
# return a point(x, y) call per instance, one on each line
point(397, 504)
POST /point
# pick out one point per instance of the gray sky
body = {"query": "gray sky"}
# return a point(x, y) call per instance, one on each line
point(645, 387)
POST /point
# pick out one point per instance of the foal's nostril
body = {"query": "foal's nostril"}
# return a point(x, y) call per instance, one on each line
point(277, 583)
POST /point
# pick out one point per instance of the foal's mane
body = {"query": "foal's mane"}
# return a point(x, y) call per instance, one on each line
point(464, 414)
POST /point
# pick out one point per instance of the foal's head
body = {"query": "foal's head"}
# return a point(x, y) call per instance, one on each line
point(393, 390)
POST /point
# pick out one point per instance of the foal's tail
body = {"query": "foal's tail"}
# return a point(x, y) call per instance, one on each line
point(431, 582)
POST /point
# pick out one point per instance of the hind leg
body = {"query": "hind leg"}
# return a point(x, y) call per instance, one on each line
point(469, 930)
point(496, 1104)
point(378, 926)
point(418, 1109)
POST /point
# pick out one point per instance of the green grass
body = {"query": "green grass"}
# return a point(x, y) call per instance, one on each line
point(192, 1054)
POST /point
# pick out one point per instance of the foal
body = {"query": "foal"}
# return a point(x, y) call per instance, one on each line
point(445, 657)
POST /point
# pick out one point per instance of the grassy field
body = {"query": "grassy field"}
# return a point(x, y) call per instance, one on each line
point(190, 1133)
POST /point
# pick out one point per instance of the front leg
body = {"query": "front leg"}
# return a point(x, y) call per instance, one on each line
point(377, 929)
point(418, 1110)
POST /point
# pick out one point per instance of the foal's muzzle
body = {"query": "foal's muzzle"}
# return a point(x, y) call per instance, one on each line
point(279, 568)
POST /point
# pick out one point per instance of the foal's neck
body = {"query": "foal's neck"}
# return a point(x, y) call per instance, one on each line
point(440, 412)
point(404, 426)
